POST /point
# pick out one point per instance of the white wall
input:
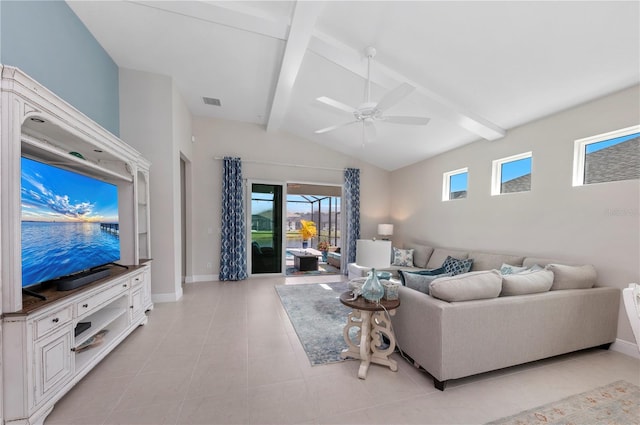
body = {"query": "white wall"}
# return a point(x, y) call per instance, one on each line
point(155, 121)
point(219, 138)
point(596, 224)
point(183, 150)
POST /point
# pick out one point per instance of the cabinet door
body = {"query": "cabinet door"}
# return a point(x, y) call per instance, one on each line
point(146, 290)
point(137, 309)
point(53, 363)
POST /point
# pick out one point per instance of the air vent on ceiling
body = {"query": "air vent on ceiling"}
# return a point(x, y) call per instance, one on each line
point(211, 101)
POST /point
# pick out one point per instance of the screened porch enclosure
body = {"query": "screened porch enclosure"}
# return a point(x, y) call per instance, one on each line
point(319, 204)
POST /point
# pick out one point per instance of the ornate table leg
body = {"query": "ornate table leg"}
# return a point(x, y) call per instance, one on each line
point(353, 321)
point(365, 345)
point(381, 324)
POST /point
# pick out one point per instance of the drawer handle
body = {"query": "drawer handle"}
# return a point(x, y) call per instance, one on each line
point(124, 285)
point(55, 320)
point(85, 305)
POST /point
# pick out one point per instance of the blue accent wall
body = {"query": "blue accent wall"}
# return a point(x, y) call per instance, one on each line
point(48, 41)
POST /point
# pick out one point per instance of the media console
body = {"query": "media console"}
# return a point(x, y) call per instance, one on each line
point(47, 346)
point(57, 347)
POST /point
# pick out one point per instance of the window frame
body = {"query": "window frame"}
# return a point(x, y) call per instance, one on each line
point(446, 183)
point(496, 172)
point(580, 151)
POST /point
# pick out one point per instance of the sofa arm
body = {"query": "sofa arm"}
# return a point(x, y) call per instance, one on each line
point(417, 325)
point(356, 271)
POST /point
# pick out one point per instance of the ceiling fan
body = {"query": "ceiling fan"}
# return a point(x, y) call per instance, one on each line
point(369, 112)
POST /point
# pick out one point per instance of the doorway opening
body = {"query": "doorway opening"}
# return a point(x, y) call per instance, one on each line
point(266, 228)
point(317, 206)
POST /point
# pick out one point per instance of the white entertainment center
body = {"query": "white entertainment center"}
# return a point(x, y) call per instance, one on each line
point(47, 346)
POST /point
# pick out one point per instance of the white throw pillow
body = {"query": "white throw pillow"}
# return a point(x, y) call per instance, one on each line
point(402, 257)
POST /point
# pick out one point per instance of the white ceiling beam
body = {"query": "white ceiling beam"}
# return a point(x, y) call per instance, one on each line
point(227, 13)
point(302, 23)
point(354, 61)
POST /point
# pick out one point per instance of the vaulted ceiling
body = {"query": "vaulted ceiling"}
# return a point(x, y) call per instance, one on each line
point(478, 68)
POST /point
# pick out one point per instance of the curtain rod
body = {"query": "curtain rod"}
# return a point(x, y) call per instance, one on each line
point(283, 164)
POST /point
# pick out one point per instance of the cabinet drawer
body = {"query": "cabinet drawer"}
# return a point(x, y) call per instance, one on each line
point(90, 303)
point(52, 321)
point(138, 279)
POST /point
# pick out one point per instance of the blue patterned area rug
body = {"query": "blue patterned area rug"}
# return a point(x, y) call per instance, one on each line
point(616, 403)
point(318, 318)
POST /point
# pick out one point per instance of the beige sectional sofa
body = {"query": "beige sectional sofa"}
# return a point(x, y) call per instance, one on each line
point(489, 330)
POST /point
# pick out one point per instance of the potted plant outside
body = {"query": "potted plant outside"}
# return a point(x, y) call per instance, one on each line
point(323, 246)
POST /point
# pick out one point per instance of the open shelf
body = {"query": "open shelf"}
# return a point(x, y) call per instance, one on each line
point(114, 331)
point(99, 320)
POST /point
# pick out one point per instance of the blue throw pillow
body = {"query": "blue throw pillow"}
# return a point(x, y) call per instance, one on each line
point(420, 282)
point(430, 272)
point(456, 266)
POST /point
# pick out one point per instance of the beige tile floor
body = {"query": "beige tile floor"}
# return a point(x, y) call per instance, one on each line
point(226, 353)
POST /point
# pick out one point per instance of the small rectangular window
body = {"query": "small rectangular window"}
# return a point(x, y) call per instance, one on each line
point(607, 157)
point(511, 174)
point(454, 184)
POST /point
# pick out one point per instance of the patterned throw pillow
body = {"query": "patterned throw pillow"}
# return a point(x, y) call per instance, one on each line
point(402, 257)
point(509, 269)
point(456, 267)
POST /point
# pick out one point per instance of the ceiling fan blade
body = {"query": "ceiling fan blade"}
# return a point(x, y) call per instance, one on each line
point(395, 96)
point(333, 127)
point(334, 103)
point(406, 120)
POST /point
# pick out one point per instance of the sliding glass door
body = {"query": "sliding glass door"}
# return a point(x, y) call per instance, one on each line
point(266, 228)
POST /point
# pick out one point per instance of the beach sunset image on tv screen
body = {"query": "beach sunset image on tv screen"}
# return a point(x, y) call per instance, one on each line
point(69, 222)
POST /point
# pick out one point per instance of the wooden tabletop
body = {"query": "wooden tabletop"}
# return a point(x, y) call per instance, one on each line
point(31, 303)
point(361, 304)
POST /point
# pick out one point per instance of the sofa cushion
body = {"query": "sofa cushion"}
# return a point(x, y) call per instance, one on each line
point(468, 286)
point(402, 257)
point(420, 282)
point(531, 261)
point(510, 269)
point(572, 277)
point(421, 254)
point(489, 261)
point(455, 266)
point(526, 283)
point(440, 254)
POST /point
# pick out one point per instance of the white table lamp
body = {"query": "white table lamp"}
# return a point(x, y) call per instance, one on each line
point(374, 254)
point(385, 230)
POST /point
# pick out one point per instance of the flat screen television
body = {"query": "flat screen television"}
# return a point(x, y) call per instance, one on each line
point(69, 222)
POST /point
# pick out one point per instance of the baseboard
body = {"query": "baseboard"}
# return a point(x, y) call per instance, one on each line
point(201, 278)
point(168, 297)
point(626, 347)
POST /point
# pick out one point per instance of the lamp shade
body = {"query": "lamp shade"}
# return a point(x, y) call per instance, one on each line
point(373, 254)
point(385, 229)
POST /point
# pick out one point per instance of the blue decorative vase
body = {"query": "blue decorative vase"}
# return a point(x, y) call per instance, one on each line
point(324, 256)
point(372, 290)
point(305, 244)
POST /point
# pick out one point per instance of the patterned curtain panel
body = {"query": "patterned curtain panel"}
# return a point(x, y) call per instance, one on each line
point(233, 256)
point(352, 209)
